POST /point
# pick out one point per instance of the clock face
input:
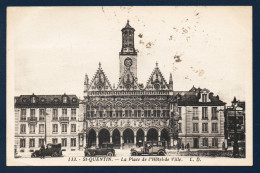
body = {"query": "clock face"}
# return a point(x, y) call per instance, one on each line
point(128, 62)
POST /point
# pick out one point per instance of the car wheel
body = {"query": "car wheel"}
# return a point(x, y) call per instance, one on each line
point(55, 154)
point(88, 154)
point(110, 154)
point(161, 153)
point(33, 155)
point(134, 153)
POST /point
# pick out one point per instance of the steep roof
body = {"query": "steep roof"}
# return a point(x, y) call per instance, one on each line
point(127, 26)
point(127, 81)
point(100, 81)
point(156, 81)
point(46, 101)
point(192, 98)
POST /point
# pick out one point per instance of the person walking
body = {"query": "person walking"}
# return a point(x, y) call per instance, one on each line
point(42, 150)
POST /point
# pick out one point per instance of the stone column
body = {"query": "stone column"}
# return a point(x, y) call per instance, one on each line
point(134, 139)
point(145, 138)
point(111, 140)
point(97, 141)
point(121, 141)
point(85, 139)
point(159, 138)
point(171, 140)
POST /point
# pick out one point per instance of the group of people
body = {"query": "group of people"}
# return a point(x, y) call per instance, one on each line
point(181, 146)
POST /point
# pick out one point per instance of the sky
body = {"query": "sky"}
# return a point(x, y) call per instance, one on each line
point(52, 48)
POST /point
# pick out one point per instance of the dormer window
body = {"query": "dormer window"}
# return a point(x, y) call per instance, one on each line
point(204, 97)
point(65, 99)
point(33, 100)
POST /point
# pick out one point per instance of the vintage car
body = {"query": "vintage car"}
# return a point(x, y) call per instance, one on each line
point(53, 150)
point(104, 149)
point(149, 148)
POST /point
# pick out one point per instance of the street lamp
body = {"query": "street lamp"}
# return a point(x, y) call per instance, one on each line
point(235, 145)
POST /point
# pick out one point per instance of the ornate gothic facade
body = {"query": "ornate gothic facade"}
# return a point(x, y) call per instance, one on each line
point(129, 113)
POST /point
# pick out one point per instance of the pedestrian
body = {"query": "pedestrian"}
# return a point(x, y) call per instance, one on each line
point(42, 152)
point(223, 146)
point(182, 146)
point(188, 147)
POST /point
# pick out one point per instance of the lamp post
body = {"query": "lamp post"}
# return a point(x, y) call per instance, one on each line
point(45, 130)
point(235, 145)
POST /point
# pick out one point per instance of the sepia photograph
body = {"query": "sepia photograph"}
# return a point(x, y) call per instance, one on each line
point(129, 86)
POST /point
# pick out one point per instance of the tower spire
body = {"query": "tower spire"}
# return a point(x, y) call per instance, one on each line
point(86, 82)
point(171, 82)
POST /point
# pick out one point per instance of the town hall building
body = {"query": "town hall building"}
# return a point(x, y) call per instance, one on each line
point(132, 112)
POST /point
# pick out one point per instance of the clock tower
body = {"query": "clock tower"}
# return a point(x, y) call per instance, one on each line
point(128, 55)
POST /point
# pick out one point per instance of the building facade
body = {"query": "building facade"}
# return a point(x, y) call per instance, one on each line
point(132, 112)
point(43, 119)
point(240, 123)
point(201, 118)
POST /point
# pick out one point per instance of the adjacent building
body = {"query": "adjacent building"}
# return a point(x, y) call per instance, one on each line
point(41, 119)
point(240, 122)
point(201, 118)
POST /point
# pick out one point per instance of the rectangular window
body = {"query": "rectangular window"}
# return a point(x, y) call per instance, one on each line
point(54, 140)
point(32, 112)
point(215, 142)
point(214, 113)
point(22, 143)
point(139, 113)
point(205, 142)
point(145, 113)
point(64, 112)
point(195, 127)
point(73, 142)
point(214, 127)
point(32, 143)
point(195, 113)
point(32, 128)
point(55, 114)
point(64, 128)
point(41, 142)
point(23, 128)
point(73, 127)
point(64, 142)
point(204, 113)
point(23, 114)
point(41, 128)
point(42, 114)
point(73, 114)
point(179, 111)
point(204, 97)
point(55, 128)
point(204, 127)
point(179, 127)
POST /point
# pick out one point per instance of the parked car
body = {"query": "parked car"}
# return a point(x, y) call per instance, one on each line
point(53, 150)
point(149, 148)
point(105, 149)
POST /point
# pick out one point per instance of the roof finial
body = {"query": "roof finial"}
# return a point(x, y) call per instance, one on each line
point(156, 64)
point(128, 21)
point(99, 64)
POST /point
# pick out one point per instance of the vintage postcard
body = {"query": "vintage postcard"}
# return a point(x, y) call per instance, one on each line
point(129, 86)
